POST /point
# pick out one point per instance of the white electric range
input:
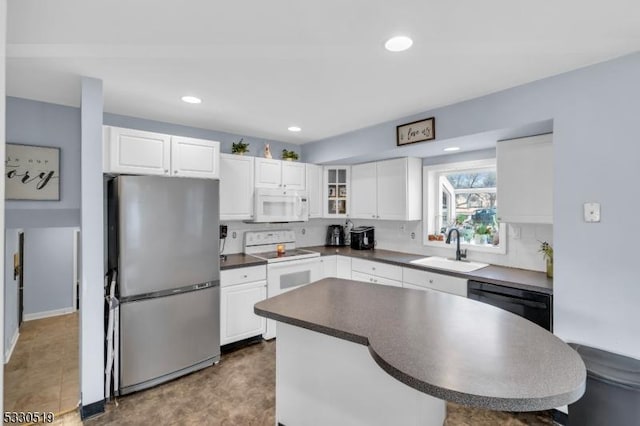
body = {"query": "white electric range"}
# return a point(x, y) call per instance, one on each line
point(285, 271)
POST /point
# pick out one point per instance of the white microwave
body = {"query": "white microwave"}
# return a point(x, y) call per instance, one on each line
point(280, 205)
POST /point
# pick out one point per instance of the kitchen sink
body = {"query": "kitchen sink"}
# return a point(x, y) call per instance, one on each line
point(449, 264)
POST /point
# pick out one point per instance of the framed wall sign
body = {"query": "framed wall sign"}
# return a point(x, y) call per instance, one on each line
point(32, 173)
point(417, 131)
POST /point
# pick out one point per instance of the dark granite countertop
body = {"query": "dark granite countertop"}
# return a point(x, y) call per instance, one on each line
point(447, 346)
point(500, 275)
point(240, 260)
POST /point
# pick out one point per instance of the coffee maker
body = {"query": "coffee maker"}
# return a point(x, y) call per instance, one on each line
point(335, 236)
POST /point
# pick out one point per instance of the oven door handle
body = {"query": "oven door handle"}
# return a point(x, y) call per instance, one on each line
point(510, 299)
point(292, 263)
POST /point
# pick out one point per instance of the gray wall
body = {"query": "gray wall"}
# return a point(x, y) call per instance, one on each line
point(10, 289)
point(596, 151)
point(39, 123)
point(48, 270)
point(256, 145)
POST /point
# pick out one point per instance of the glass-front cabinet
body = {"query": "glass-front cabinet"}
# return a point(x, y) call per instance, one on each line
point(336, 191)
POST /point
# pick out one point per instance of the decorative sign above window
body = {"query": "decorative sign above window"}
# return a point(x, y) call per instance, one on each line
point(32, 173)
point(417, 131)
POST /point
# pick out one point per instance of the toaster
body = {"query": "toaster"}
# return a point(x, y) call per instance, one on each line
point(363, 238)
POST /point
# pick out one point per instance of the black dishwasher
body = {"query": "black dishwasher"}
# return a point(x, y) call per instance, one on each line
point(534, 306)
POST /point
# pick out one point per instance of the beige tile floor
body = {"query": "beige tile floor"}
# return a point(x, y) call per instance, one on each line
point(43, 372)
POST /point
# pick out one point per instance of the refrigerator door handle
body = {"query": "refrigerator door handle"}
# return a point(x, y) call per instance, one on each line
point(171, 292)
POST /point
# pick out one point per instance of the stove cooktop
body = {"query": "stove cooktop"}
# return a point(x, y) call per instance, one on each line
point(291, 254)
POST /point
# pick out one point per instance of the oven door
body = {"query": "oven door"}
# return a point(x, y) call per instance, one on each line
point(285, 276)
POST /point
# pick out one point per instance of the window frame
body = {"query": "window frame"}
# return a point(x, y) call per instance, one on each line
point(431, 176)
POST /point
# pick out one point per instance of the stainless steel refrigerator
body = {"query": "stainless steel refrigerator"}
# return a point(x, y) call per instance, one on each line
point(163, 241)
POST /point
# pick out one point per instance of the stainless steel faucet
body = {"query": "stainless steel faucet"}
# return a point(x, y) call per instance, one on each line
point(460, 254)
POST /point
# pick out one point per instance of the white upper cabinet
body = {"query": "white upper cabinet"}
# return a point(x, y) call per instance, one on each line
point(364, 204)
point(525, 179)
point(400, 189)
point(390, 190)
point(137, 152)
point(314, 189)
point(236, 187)
point(293, 175)
point(270, 173)
point(336, 191)
point(195, 158)
point(148, 153)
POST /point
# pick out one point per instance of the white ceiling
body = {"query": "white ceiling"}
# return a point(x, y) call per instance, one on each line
point(261, 66)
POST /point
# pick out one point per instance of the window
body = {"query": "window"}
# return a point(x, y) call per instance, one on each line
point(463, 196)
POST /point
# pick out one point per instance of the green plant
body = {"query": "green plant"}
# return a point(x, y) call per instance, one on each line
point(239, 147)
point(547, 251)
point(483, 230)
point(286, 155)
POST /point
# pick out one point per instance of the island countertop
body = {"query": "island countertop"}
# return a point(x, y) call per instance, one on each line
point(447, 346)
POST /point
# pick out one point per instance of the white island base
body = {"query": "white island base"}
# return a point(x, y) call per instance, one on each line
point(323, 380)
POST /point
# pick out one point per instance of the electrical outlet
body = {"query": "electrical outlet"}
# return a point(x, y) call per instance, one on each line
point(592, 212)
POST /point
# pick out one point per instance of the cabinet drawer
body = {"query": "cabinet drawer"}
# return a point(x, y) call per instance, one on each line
point(358, 276)
point(434, 281)
point(242, 275)
point(378, 269)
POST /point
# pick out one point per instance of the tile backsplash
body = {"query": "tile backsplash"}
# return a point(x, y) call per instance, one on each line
point(522, 252)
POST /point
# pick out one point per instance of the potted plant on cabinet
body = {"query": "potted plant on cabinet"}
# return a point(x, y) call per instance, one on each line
point(547, 253)
point(289, 155)
point(239, 148)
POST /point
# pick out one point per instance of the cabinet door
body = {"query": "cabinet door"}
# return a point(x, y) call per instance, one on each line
point(343, 267)
point(268, 173)
point(293, 175)
point(337, 193)
point(195, 158)
point(363, 188)
point(314, 189)
point(525, 179)
point(434, 281)
point(237, 320)
point(236, 187)
point(138, 152)
point(392, 189)
point(329, 266)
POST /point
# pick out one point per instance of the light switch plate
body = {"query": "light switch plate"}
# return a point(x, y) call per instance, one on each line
point(592, 212)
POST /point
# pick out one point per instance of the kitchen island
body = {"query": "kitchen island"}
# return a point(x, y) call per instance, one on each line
point(355, 353)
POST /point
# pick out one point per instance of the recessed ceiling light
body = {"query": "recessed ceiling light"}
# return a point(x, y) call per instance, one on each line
point(452, 148)
point(398, 44)
point(191, 100)
point(294, 129)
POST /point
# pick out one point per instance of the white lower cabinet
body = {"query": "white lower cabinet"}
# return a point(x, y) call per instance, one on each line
point(376, 272)
point(417, 279)
point(359, 276)
point(241, 289)
point(329, 266)
point(343, 267)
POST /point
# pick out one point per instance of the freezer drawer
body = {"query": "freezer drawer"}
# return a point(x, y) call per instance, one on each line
point(162, 338)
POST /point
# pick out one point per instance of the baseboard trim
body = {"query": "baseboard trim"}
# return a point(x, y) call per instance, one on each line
point(12, 346)
point(92, 409)
point(47, 314)
point(559, 417)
